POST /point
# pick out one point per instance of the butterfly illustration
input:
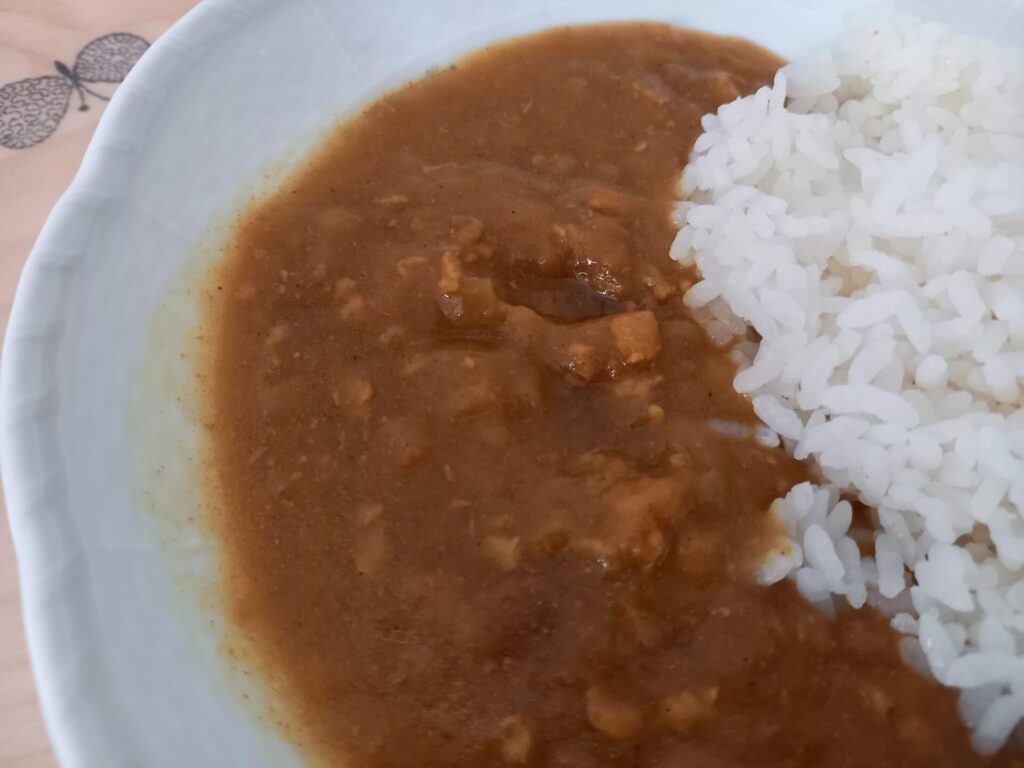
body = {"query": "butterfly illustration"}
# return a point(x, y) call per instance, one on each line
point(31, 109)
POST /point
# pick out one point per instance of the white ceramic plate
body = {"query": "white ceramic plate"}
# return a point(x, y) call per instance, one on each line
point(98, 441)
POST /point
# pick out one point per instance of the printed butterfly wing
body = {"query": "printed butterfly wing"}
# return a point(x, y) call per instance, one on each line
point(109, 59)
point(30, 110)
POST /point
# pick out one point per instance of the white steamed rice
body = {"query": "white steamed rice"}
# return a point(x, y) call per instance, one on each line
point(865, 216)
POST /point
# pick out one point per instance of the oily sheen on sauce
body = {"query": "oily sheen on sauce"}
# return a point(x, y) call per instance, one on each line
point(474, 507)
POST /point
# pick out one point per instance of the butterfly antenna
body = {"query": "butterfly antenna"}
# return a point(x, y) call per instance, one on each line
point(82, 106)
point(63, 70)
point(91, 92)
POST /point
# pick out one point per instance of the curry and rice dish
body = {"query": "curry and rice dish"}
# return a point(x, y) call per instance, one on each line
point(489, 495)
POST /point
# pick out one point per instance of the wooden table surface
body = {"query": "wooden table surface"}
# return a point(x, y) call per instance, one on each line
point(33, 34)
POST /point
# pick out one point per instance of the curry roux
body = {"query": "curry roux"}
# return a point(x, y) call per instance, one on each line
point(475, 512)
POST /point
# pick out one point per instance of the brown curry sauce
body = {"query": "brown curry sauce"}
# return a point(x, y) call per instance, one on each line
point(474, 509)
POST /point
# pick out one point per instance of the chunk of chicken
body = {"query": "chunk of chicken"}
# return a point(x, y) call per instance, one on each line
point(516, 739)
point(877, 701)
point(466, 230)
point(661, 288)
point(638, 524)
point(503, 550)
point(606, 200)
point(354, 394)
point(594, 350)
point(623, 517)
point(721, 86)
point(636, 336)
point(612, 717)
point(472, 303)
point(451, 273)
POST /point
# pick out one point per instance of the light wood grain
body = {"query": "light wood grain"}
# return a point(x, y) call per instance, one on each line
point(33, 34)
